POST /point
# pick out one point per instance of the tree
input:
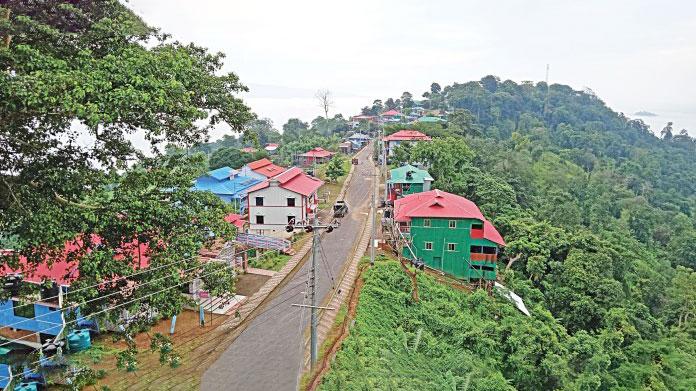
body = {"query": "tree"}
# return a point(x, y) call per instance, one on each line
point(462, 122)
point(435, 88)
point(96, 64)
point(406, 100)
point(377, 107)
point(233, 157)
point(325, 101)
point(682, 298)
point(667, 132)
point(335, 168)
point(264, 130)
point(389, 104)
point(293, 129)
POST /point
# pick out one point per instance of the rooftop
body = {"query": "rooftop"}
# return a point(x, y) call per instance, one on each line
point(265, 167)
point(391, 113)
point(401, 175)
point(407, 135)
point(317, 152)
point(64, 268)
point(293, 179)
point(440, 204)
point(234, 185)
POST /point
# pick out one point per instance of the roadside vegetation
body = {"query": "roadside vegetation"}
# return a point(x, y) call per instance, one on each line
point(599, 218)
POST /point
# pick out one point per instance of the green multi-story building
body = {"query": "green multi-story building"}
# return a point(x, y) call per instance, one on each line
point(449, 233)
point(407, 180)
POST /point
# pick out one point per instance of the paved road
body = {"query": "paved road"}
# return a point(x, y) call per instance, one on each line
point(268, 355)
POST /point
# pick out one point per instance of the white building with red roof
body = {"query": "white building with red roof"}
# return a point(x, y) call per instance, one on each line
point(261, 169)
point(403, 136)
point(273, 203)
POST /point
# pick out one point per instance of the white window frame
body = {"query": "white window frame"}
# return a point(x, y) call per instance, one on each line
point(454, 247)
point(452, 224)
point(425, 246)
point(427, 223)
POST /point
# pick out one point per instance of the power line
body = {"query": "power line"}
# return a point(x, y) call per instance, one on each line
point(109, 295)
point(104, 282)
point(113, 307)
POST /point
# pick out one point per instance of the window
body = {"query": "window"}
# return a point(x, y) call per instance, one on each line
point(477, 226)
point(453, 223)
point(291, 219)
point(490, 250)
point(259, 219)
point(476, 249)
point(259, 201)
point(428, 245)
point(451, 246)
point(23, 310)
point(291, 201)
point(426, 222)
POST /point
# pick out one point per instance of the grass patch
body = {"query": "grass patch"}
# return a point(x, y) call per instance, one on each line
point(270, 260)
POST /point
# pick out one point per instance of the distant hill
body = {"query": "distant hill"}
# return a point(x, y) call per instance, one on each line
point(644, 114)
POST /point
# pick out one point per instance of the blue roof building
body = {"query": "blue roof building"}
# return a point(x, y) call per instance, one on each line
point(228, 185)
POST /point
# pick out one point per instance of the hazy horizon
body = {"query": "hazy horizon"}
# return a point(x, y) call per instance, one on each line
point(633, 54)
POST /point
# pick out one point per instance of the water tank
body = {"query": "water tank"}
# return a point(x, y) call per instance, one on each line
point(79, 340)
point(30, 386)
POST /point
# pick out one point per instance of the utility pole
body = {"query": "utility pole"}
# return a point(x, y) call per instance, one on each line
point(313, 297)
point(374, 213)
point(314, 228)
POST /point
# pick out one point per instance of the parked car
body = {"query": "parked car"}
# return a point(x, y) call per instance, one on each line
point(340, 208)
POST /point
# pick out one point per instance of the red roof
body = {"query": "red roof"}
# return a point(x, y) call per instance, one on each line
point(63, 271)
point(265, 167)
point(391, 113)
point(293, 179)
point(407, 135)
point(317, 152)
point(236, 220)
point(437, 203)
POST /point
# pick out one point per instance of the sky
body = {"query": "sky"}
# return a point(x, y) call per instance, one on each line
point(636, 55)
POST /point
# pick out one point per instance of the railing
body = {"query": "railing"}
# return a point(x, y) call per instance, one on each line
point(484, 257)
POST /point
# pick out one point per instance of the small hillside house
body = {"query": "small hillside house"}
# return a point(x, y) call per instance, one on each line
point(345, 147)
point(403, 136)
point(261, 169)
point(228, 185)
point(359, 139)
point(448, 233)
point(391, 116)
point(271, 148)
point(289, 196)
point(316, 155)
point(357, 119)
point(407, 180)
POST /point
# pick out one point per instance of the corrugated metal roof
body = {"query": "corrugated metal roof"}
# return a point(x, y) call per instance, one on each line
point(221, 173)
point(440, 204)
point(235, 186)
point(407, 135)
point(400, 175)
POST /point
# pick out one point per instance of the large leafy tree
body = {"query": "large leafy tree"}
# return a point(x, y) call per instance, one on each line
point(79, 80)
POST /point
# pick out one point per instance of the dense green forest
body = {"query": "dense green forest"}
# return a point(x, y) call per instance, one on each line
point(598, 214)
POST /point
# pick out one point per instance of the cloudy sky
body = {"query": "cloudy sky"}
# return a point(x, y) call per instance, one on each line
point(636, 55)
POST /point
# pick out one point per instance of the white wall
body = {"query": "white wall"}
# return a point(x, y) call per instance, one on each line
point(274, 210)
